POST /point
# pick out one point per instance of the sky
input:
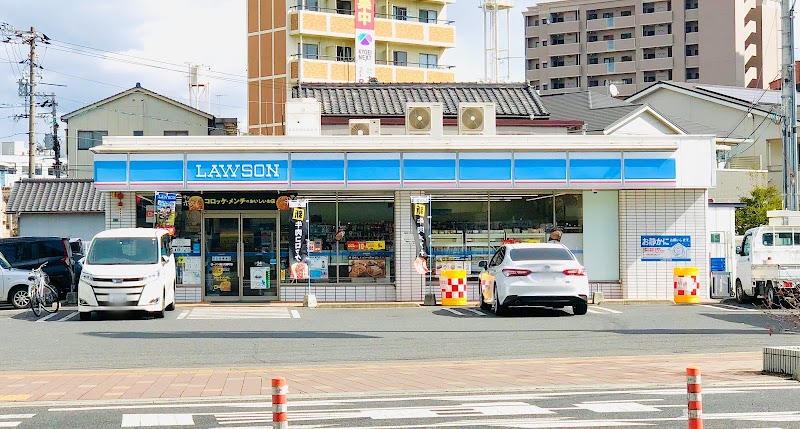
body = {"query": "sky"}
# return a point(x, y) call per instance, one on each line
point(100, 48)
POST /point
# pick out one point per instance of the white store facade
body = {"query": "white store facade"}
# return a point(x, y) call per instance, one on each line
point(632, 208)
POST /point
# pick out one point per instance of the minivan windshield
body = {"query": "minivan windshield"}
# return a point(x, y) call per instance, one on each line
point(124, 251)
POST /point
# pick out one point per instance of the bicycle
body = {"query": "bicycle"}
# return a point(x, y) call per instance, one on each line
point(42, 295)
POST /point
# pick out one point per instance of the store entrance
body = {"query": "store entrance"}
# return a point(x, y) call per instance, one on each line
point(241, 256)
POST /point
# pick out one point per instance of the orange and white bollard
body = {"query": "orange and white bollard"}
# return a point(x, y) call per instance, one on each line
point(695, 398)
point(280, 419)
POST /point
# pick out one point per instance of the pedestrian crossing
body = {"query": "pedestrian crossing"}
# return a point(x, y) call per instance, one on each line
point(13, 420)
point(231, 313)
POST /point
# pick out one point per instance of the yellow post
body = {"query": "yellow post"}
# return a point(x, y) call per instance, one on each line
point(454, 287)
point(685, 285)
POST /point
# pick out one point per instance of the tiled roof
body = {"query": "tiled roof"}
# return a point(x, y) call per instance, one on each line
point(55, 196)
point(597, 110)
point(516, 100)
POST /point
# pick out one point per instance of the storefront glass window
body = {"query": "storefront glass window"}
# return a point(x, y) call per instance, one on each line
point(459, 233)
point(322, 217)
point(366, 252)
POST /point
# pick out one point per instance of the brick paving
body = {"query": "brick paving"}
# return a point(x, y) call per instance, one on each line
point(70, 385)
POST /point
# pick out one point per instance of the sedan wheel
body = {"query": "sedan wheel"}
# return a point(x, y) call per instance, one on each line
point(484, 305)
point(20, 299)
point(499, 309)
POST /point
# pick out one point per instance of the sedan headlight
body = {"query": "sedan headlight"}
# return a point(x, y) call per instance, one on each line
point(87, 277)
point(151, 277)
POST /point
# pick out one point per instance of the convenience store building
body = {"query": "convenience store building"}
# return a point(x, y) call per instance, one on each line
point(631, 207)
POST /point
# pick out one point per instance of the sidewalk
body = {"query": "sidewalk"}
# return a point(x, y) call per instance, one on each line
point(378, 377)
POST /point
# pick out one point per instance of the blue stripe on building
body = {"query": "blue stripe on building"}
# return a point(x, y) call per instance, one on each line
point(142, 171)
point(429, 169)
point(540, 169)
point(318, 170)
point(484, 169)
point(110, 172)
point(369, 170)
point(595, 169)
point(650, 169)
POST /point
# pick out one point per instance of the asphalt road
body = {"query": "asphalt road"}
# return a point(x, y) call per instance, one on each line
point(727, 407)
point(207, 337)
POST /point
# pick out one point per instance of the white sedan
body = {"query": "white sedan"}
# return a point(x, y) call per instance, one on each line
point(542, 275)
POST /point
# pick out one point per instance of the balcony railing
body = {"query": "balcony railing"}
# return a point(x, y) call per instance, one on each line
point(345, 59)
point(377, 15)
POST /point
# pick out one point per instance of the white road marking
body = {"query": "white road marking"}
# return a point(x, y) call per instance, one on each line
point(49, 316)
point(617, 407)
point(15, 417)
point(607, 309)
point(218, 313)
point(472, 310)
point(450, 310)
point(593, 311)
point(732, 308)
point(151, 420)
point(183, 314)
point(69, 316)
point(9, 424)
point(295, 314)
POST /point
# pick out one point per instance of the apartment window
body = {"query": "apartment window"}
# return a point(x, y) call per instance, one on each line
point(175, 133)
point(537, 64)
point(344, 7)
point(627, 81)
point(556, 17)
point(544, 42)
point(536, 23)
point(90, 139)
point(531, 65)
point(544, 21)
point(649, 55)
point(400, 58)
point(138, 133)
point(608, 14)
point(544, 65)
point(557, 83)
point(592, 38)
point(557, 61)
point(428, 61)
point(344, 53)
point(626, 58)
point(532, 42)
point(400, 13)
point(692, 50)
point(557, 39)
point(592, 14)
point(310, 4)
point(692, 4)
point(648, 7)
point(650, 78)
point(625, 13)
point(429, 16)
point(310, 51)
point(607, 37)
point(594, 60)
point(626, 36)
point(693, 73)
point(594, 82)
point(608, 60)
point(544, 86)
point(692, 27)
point(648, 31)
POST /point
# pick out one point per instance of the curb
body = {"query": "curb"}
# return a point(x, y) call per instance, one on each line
point(368, 305)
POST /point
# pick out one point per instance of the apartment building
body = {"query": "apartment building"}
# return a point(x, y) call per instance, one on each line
point(290, 42)
point(591, 44)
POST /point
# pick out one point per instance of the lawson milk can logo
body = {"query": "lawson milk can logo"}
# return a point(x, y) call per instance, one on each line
point(237, 171)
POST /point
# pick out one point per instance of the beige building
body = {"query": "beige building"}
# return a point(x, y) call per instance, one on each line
point(134, 112)
point(295, 41)
point(591, 44)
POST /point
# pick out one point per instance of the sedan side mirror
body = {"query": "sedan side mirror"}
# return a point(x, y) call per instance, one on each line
point(483, 264)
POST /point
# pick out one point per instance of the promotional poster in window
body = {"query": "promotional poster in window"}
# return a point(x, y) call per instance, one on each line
point(165, 211)
point(298, 253)
point(419, 213)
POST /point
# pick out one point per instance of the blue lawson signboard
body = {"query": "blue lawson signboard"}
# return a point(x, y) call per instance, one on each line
point(666, 248)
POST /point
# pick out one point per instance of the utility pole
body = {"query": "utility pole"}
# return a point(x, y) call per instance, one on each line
point(32, 105)
point(29, 38)
point(56, 144)
point(789, 131)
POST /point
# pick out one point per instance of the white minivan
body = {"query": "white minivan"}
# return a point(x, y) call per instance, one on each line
point(128, 269)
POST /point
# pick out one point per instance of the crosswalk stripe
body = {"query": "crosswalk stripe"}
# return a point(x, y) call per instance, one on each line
point(592, 310)
point(68, 316)
point(295, 314)
point(16, 416)
point(239, 313)
point(49, 316)
point(183, 314)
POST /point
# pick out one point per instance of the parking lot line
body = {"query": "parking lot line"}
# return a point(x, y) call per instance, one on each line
point(450, 310)
point(472, 310)
point(183, 314)
point(47, 317)
point(607, 309)
point(593, 311)
point(68, 316)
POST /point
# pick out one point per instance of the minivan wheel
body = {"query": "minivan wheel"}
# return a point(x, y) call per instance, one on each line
point(86, 315)
point(19, 298)
point(771, 299)
point(741, 297)
point(160, 314)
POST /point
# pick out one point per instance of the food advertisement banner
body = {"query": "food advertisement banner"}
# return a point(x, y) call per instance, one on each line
point(298, 253)
point(367, 267)
point(365, 40)
point(419, 215)
point(235, 201)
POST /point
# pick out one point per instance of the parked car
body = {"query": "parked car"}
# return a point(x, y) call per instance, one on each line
point(78, 252)
point(128, 269)
point(14, 284)
point(28, 253)
point(535, 274)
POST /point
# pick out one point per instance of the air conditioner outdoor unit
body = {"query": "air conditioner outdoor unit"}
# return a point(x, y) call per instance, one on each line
point(365, 127)
point(425, 119)
point(477, 119)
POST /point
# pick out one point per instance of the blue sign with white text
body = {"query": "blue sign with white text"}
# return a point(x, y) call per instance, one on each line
point(666, 248)
point(237, 171)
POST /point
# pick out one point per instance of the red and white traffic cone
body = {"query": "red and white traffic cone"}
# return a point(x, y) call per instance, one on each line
point(280, 419)
point(695, 398)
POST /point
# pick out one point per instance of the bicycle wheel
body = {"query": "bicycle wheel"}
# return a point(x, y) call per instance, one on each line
point(51, 302)
point(35, 307)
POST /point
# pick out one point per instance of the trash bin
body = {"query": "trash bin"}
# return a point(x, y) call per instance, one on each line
point(686, 287)
point(454, 287)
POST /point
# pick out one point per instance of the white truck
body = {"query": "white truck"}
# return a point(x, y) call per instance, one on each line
point(768, 262)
